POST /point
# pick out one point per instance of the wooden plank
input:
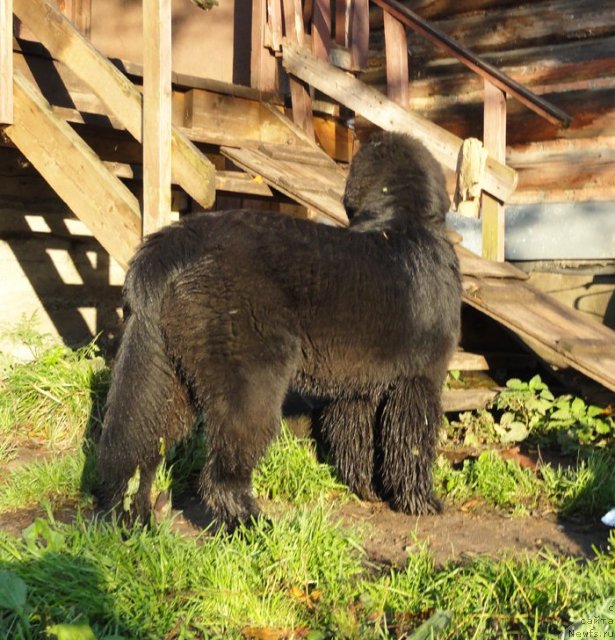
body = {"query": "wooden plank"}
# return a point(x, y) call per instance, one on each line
point(227, 120)
point(467, 399)
point(239, 182)
point(499, 180)
point(79, 12)
point(321, 29)
point(156, 114)
point(548, 326)
point(359, 33)
point(465, 361)
point(285, 177)
point(473, 265)
point(342, 21)
point(6, 62)
point(299, 91)
point(191, 169)
point(274, 21)
point(494, 141)
point(396, 47)
point(75, 172)
point(263, 76)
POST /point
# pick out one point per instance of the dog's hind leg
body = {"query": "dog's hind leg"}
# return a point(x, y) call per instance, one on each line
point(240, 424)
point(148, 409)
point(410, 421)
point(347, 426)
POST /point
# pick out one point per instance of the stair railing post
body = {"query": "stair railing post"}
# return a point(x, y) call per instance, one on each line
point(299, 91)
point(359, 33)
point(156, 114)
point(494, 141)
point(6, 62)
point(396, 59)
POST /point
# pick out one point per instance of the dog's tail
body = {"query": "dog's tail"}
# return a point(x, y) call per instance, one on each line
point(147, 406)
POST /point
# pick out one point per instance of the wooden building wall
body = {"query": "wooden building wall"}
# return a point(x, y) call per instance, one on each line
point(560, 49)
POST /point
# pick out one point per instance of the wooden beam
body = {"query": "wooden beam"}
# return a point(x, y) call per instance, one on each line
point(6, 62)
point(321, 29)
point(396, 47)
point(494, 141)
point(359, 33)
point(499, 180)
point(262, 63)
point(75, 172)
point(156, 114)
point(299, 91)
point(191, 169)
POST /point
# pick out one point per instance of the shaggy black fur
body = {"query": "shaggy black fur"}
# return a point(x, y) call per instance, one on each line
point(228, 311)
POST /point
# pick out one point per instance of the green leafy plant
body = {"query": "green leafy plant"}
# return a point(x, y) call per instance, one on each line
point(531, 408)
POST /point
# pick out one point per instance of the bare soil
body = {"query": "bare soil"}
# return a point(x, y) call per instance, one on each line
point(388, 537)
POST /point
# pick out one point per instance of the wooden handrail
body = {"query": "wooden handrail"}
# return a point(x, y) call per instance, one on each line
point(537, 104)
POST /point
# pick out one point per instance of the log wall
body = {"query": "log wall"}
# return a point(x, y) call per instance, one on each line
point(560, 49)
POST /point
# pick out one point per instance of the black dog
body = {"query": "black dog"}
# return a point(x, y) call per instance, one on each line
point(228, 311)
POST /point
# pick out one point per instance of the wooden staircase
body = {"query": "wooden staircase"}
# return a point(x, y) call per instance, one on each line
point(301, 171)
point(74, 171)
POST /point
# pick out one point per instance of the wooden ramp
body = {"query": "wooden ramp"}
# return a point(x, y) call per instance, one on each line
point(560, 335)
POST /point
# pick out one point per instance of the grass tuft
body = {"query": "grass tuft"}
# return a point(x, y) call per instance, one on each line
point(291, 471)
point(53, 398)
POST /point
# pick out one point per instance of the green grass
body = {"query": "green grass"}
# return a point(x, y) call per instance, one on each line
point(303, 574)
point(500, 483)
point(291, 471)
point(56, 480)
point(53, 398)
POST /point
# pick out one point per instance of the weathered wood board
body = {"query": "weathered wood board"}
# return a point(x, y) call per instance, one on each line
point(75, 172)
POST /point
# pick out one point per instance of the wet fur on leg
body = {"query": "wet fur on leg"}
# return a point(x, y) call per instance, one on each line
point(410, 421)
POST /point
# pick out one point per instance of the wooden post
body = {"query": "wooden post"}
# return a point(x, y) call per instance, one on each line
point(359, 33)
point(321, 29)
point(342, 21)
point(396, 48)
point(79, 12)
point(494, 141)
point(156, 114)
point(6, 62)
point(262, 63)
point(299, 91)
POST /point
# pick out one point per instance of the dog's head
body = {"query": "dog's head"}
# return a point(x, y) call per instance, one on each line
point(395, 183)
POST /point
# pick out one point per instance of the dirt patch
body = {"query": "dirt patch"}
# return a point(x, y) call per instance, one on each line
point(388, 536)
